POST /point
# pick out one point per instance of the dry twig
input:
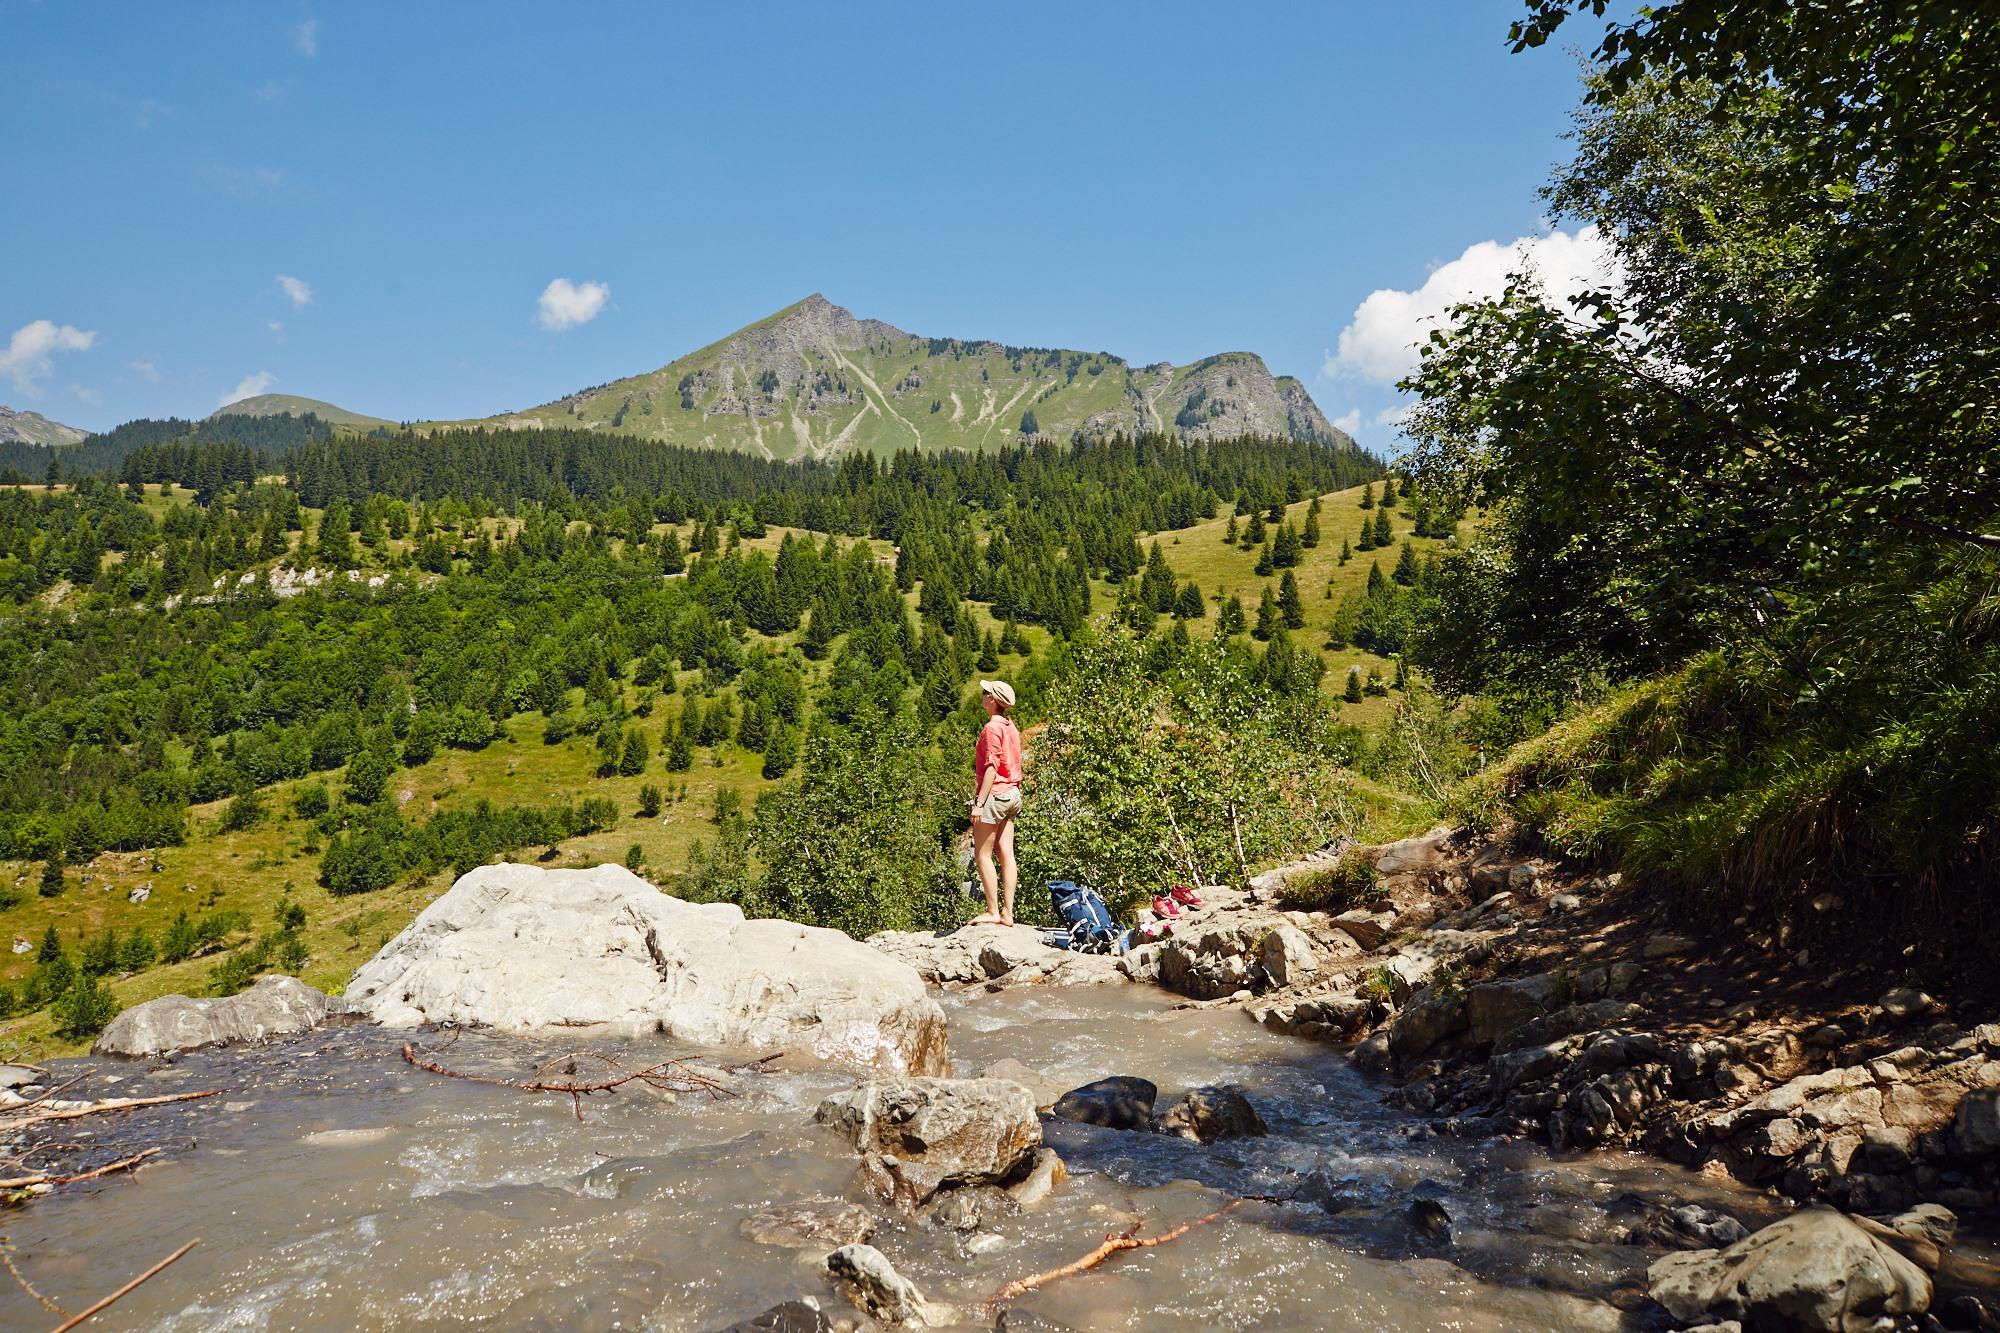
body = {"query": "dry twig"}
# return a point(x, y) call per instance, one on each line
point(666, 1076)
point(15, 1121)
point(82, 1315)
point(23, 1182)
point(1128, 1239)
point(7, 1258)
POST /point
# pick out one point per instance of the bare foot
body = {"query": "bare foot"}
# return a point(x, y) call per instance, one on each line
point(984, 919)
point(1006, 920)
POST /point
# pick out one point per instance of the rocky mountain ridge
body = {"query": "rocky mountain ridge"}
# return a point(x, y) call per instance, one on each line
point(814, 380)
point(19, 427)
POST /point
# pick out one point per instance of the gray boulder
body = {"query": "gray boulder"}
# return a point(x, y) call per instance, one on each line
point(1426, 1022)
point(1816, 1270)
point(1287, 955)
point(1498, 1007)
point(1208, 1114)
point(867, 1278)
point(810, 1223)
point(1118, 1102)
point(524, 950)
point(274, 1007)
point(1975, 1130)
point(919, 1135)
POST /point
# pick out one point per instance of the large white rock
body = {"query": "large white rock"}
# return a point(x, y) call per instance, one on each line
point(523, 949)
point(1815, 1269)
point(274, 1007)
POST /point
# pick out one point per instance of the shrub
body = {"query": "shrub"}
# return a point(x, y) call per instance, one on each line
point(1345, 883)
point(84, 1009)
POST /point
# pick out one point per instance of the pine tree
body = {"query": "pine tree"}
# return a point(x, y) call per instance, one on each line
point(1375, 685)
point(1253, 531)
point(1285, 547)
point(1346, 551)
point(672, 559)
point(1352, 694)
point(1289, 602)
point(1310, 537)
point(1229, 533)
point(781, 752)
point(1368, 496)
point(1265, 564)
point(680, 751)
point(1389, 494)
point(649, 801)
point(1385, 536)
point(52, 878)
point(1190, 605)
point(1406, 565)
point(989, 653)
point(1269, 618)
point(634, 754)
point(1376, 583)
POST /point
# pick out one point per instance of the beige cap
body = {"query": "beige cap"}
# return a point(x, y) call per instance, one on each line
point(999, 689)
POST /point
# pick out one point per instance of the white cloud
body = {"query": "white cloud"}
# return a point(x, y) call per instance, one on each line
point(565, 304)
point(306, 37)
point(248, 387)
point(300, 294)
point(1348, 422)
point(1379, 344)
point(86, 394)
point(146, 370)
point(27, 355)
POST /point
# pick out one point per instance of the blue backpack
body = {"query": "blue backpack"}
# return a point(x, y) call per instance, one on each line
point(1082, 911)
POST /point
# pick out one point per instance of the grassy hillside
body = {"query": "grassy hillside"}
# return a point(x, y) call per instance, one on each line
point(814, 381)
point(281, 404)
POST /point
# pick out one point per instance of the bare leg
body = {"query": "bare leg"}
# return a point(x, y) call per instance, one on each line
point(1009, 871)
point(984, 835)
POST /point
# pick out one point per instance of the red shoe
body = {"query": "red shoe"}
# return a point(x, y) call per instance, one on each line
point(1165, 907)
point(1185, 895)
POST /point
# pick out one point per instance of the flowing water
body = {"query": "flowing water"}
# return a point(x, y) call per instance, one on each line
point(335, 1187)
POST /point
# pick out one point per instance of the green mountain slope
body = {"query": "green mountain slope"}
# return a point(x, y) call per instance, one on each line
point(34, 428)
point(812, 380)
point(276, 404)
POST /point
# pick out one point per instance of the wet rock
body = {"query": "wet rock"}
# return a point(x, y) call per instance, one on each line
point(1208, 961)
point(1118, 1102)
point(1373, 1053)
point(1042, 1180)
point(1429, 1219)
point(1287, 956)
point(1977, 1314)
point(918, 1135)
point(524, 949)
point(966, 1210)
point(274, 1007)
point(1208, 1114)
point(1531, 1065)
point(13, 1078)
point(867, 1278)
point(1816, 1269)
point(810, 1224)
point(1687, 1227)
point(791, 1317)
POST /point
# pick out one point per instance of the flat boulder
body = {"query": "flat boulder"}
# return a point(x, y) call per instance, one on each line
point(1119, 1102)
point(274, 1007)
point(523, 949)
point(920, 1135)
point(1816, 1269)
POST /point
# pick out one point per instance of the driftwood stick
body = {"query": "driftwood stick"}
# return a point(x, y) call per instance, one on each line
point(110, 1104)
point(666, 1076)
point(7, 1258)
point(1129, 1239)
point(22, 1182)
point(82, 1315)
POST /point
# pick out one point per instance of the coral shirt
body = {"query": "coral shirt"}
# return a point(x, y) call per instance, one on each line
point(999, 749)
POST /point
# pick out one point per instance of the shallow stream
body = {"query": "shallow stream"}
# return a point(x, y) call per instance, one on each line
point(335, 1187)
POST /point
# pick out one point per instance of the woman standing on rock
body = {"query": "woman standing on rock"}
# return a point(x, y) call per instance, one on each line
point(996, 763)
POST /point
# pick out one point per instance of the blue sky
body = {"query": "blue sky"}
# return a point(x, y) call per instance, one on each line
point(367, 202)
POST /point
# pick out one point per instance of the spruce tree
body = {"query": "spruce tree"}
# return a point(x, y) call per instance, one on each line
point(1365, 539)
point(1265, 564)
point(989, 653)
point(1289, 602)
point(1376, 583)
point(680, 751)
point(1285, 547)
point(1229, 533)
point(1352, 694)
point(755, 731)
point(672, 559)
point(1402, 681)
point(1390, 494)
point(1277, 512)
point(51, 946)
point(1231, 620)
point(1385, 536)
point(1269, 618)
point(1346, 551)
point(1253, 531)
point(1157, 588)
point(1368, 496)
point(1406, 565)
point(52, 878)
point(781, 752)
point(1190, 605)
point(1310, 537)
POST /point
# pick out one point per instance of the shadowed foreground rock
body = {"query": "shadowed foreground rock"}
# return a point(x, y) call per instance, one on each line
point(274, 1007)
point(1817, 1269)
point(524, 949)
point(1119, 1102)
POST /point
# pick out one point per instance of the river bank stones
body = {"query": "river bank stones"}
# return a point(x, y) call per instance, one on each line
point(1205, 1115)
point(919, 1135)
point(274, 1007)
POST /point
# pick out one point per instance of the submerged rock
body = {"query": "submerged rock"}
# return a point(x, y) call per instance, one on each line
point(274, 1007)
point(1208, 1114)
point(1119, 1102)
point(868, 1279)
point(918, 1135)
point(1816, 1269)
point(522, 949)
point(791, 1317)
point(810, 1223)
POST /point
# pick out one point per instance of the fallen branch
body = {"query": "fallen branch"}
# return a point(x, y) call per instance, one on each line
point(7, 1258)
point(1128, 1239)
point(9, 1122)
point(82, 1315)
point(23, 1182)
point(666, 1076)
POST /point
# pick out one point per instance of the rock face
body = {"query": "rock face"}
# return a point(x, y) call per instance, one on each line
point(522, 949)
point(919, 1135)
point(992, 955)
point(1815, 1269)
point(274, 1007)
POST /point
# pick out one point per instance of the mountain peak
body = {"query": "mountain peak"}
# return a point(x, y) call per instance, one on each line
point(21, 427)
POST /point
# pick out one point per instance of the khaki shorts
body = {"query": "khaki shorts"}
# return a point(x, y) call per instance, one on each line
point(1001, 804)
